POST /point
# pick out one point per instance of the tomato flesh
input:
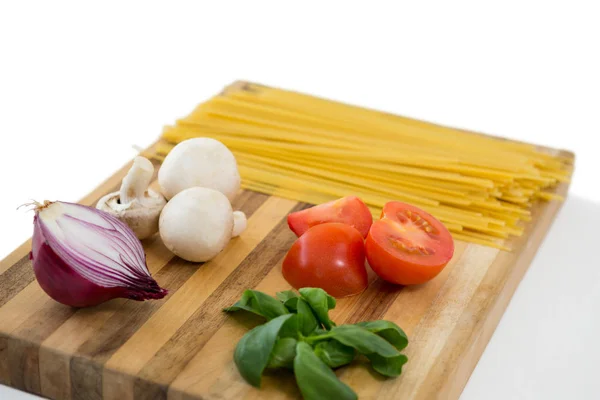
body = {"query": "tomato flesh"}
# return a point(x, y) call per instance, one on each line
point(329, 256)
point(407, 245)
point(349, 210)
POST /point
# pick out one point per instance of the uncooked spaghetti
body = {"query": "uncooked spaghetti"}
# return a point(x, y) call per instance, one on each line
point(314, 150)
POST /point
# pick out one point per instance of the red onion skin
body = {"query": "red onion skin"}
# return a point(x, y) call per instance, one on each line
point(63, 284)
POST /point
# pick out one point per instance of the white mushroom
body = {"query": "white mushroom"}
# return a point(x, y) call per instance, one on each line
point(197, 223)
point(135, 204)
point(199, 162)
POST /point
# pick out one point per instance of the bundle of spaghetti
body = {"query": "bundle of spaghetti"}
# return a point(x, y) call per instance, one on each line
point(315, 150)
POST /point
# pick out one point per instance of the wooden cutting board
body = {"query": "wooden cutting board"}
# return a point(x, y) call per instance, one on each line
point(181, 347)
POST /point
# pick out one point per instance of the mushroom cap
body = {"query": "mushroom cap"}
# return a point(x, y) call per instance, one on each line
point(202, 162)
point(196, 224)
point(141, 218)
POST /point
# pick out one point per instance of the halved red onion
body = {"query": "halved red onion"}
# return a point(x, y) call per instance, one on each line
point(83, 256)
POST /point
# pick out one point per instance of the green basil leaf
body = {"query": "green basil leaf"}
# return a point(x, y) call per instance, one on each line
point(283, 353)
point(321, 303)
point(307, 322)
point(304, 320)
point(253, 351)
point(286, 295)
point(391, 366)
point(259, 303)
point(331, 303)
point(387, 330)
point(291, 328)
point(362, 340)
point(334, 354)
point(315, 379)
point(292, 303)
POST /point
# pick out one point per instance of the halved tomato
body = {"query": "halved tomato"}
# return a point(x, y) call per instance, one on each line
point(408, 246)
point(348, 210)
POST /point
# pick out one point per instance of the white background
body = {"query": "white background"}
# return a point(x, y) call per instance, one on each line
point(80, 83)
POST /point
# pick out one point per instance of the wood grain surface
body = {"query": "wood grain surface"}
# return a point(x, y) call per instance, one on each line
point(181, 347)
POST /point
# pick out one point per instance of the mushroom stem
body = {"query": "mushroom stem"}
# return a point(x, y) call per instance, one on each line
point(239, 223)
point(136, 181)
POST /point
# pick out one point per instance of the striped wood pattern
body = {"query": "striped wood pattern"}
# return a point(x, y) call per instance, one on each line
point(181, 347)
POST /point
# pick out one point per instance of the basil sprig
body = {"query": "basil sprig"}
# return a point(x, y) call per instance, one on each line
point(299, 335)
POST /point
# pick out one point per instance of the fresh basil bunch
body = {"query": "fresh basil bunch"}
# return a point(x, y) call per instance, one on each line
point(299, 335)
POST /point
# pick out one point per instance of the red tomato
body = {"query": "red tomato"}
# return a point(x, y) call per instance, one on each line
point(408, 246)
point(349, 210)
point(328, 256)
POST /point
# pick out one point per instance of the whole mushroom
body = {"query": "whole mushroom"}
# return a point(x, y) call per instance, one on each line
point(197, 223)
point(135, 204)
point(199, 162)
